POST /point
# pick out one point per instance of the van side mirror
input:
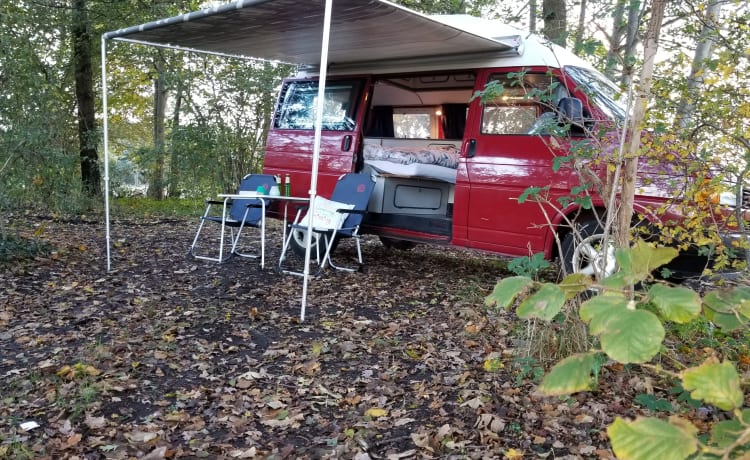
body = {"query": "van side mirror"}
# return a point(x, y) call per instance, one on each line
point(571, 110)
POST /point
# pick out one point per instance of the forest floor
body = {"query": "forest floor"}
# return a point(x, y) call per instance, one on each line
point(166, 356)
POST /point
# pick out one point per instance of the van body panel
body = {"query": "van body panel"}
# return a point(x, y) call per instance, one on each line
point(291, 152)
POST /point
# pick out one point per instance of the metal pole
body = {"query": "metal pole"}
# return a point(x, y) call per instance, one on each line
point(105, 129)
point(316, 151)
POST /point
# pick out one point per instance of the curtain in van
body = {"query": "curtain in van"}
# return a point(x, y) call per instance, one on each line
point(454, 120)
point(380, 123)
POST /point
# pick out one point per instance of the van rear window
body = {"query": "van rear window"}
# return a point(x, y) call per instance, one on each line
point(300, 98)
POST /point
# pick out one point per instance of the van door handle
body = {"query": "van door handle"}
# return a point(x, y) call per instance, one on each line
point(471, 150)
point(346, 143)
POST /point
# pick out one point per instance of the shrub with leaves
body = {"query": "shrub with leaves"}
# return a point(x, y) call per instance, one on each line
point(629, 326)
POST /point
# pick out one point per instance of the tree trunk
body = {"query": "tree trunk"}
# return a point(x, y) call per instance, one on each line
point(702, 54)
point(615, 40)
point(631, 41)
point(555, 20)
point(630, 167)
point(174, 175)
point(156, 181)
point(85, 100)
point(532, 15)
point(581, 25)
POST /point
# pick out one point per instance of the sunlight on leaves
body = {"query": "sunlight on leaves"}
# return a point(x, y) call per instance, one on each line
point(570, 375)
point(716, 383)
point(507, 290)
point(632, 336)
point(545, 304)
point(643, 258)
point(677, 304)
point(650, 438)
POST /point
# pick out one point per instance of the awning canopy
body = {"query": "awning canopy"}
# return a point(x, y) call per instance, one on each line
point(290, 31)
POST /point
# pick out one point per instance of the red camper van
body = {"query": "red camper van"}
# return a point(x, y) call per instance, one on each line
point(450, 169)
point(398, 104)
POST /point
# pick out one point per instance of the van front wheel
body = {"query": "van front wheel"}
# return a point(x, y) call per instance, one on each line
point(584, 251)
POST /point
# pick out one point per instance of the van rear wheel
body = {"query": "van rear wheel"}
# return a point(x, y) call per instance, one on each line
point(584, 251)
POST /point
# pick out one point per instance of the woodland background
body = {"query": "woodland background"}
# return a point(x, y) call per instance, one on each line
point(188, 125)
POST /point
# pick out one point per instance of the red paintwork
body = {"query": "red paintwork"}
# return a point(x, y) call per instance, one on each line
point(486, 212)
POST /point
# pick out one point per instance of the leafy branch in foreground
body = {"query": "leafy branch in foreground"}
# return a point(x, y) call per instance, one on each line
point(630, 329)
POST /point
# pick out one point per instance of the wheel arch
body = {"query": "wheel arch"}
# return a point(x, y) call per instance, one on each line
point(560, 224)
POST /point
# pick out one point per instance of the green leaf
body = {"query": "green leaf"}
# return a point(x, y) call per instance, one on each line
point(677, 304)
point(640, 260)
point(507, 290)
point(726, 432)
point(632, 336)
point(728, 309)
point(653, 403)
point(716, 383)
point(650, 438)
point(570, 375)
point(730, 301)
point(575, 284)
point(545, 303)
point(598, 310)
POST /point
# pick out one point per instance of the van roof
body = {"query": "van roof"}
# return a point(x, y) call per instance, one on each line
point(365, 35)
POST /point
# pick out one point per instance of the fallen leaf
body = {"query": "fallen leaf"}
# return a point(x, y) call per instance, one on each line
point(95, 422)
point(72, 441)
point(376, 412)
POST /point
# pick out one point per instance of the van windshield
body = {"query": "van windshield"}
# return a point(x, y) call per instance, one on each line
point(602, 92)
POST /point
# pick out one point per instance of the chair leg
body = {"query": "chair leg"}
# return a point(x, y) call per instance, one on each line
point(285, 248)
point(359, 257)
point(192, 250)
point(236, 239)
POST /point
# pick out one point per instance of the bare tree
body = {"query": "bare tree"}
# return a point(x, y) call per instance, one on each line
point(581, 25)
point(642, 93)
point(702, 54)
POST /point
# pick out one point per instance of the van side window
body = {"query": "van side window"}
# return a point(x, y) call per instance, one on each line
point(525, 104)
point(299, 100)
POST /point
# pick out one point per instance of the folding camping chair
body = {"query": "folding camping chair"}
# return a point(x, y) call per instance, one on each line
point(238, 213)
point(339, 217)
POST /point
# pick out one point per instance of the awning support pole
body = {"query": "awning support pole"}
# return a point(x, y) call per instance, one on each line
point(105, 129)
point(316, 150)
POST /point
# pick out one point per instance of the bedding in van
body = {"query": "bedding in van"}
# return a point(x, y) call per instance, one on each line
point(439, 155)
point(421, 170)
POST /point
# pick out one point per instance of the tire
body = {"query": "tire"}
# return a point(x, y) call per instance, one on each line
point(401, 245)
point(581, 251)
point(297, 243)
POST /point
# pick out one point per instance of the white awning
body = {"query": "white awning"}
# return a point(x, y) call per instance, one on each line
point(290, 31)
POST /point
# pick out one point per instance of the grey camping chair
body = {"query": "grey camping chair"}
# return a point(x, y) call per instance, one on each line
point(237, 213)
point(339, 217)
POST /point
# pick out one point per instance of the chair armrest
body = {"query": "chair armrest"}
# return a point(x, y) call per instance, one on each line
point(213, 202)
point(352, 211)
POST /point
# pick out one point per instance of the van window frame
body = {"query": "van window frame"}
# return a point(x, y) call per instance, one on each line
point(523, 99)
point(293, 90)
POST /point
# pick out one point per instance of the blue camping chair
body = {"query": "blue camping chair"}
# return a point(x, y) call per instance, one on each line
point(339, 217)
point(238, 213)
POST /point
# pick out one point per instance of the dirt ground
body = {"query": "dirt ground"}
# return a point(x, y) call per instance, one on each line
point(170, 357)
